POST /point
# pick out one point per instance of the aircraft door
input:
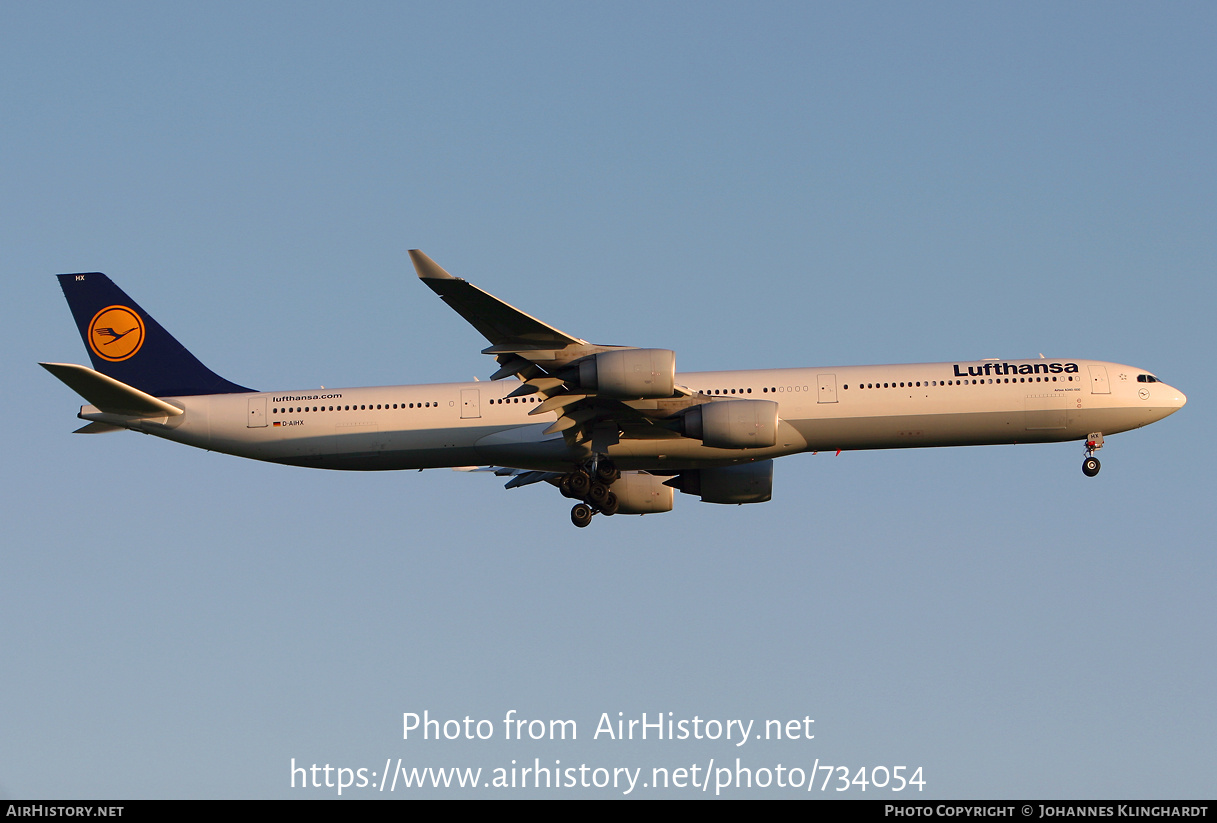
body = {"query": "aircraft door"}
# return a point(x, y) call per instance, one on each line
point(256, 419)
point(471, 405)
point(827, 392)
point(1098, 380)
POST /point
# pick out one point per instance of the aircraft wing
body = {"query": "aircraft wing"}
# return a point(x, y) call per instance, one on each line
point(519, 477)
point(600, 392)
point(507, 328)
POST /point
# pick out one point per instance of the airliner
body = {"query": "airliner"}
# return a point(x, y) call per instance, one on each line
point(615, 428)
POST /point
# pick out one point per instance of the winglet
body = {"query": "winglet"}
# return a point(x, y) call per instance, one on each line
point(427, 268)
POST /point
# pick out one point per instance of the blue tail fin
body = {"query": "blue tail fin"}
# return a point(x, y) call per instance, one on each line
point(125, 343)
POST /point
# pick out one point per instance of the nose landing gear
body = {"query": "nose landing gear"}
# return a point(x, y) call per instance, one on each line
point(1091, 465)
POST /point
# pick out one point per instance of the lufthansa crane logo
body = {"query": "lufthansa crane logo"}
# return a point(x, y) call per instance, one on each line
point(116, 333)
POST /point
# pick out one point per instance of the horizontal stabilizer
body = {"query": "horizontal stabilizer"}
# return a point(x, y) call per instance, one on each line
point(98, 428)
point(109, 395)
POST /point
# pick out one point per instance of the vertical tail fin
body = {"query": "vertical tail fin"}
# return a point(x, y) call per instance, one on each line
point(125, 343)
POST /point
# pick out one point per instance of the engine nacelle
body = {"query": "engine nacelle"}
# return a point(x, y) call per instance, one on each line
point(734, 424)
point(630, 373)
point(746, 483)
point(639, 493)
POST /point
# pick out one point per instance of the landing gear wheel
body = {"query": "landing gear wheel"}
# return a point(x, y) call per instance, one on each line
point(580, 483)
point(1090, 466)
point(581, 515)
point(606, 472)
point(610, 505)
point(597, 494)
point(564, 488)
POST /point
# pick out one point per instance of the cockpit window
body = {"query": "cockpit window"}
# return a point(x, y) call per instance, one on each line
point(1147, 378)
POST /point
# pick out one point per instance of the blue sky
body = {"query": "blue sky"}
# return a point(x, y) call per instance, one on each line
point(751, 186)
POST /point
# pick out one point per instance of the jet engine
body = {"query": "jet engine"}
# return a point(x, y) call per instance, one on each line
point(734, 424)
point(746, 483)
point(629, 373)
point(640, 493)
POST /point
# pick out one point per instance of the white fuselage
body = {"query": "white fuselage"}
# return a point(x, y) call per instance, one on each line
point(851, 407)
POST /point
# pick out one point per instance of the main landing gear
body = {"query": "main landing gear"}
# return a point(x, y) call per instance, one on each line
point(1091, 465)
point(590, 484)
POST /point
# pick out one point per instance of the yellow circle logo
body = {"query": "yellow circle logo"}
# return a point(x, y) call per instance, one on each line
point(116, 333)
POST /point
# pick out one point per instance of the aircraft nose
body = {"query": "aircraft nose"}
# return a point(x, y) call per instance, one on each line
point(1171, 399)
